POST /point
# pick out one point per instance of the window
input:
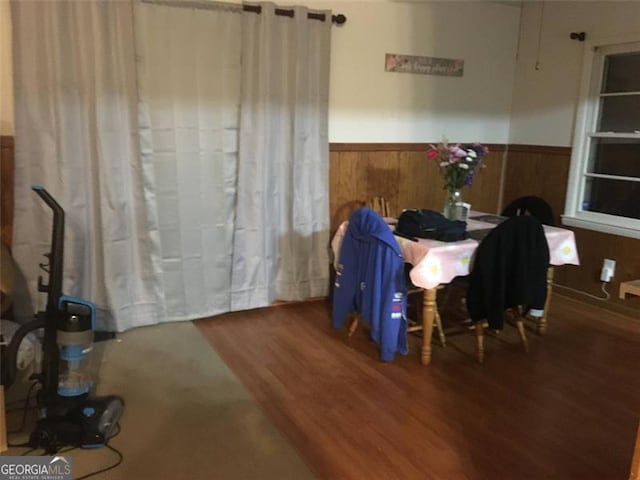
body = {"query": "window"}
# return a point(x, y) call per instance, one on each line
point(604, 181)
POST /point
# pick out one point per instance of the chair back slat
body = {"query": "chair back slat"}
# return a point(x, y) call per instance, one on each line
point(380, 206)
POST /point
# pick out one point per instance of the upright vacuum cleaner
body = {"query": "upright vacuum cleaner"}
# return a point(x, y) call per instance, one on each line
point(69, 414)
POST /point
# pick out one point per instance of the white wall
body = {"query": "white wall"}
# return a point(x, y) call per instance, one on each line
point(368, 104)
point(544, 100)
point(6, 84)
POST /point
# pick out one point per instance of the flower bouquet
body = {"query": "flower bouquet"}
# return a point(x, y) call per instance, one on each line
point(459, 164)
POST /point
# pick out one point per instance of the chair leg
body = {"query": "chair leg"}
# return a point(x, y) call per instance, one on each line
point(523, 336)
point(354, 324)
point(443, 340)
point(479, 341)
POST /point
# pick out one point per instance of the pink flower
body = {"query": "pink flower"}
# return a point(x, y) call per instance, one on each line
point(458, 152)
point(458, 163)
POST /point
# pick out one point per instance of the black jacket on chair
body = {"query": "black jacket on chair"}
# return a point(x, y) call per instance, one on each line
point(530, 205)
point(509, 269)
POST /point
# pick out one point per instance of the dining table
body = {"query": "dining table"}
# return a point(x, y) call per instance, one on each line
point(436, 263)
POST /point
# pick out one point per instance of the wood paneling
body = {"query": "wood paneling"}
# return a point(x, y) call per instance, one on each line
point(539, 171)
point(6, 189)
point(565, 410)
point(404, 176)
point(544, 171)
point(593, 247)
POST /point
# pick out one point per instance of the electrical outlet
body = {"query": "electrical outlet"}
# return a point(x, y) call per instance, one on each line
point(608, 270)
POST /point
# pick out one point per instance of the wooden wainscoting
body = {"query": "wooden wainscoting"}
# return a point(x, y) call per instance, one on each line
point(404, 176)
point(593, 247)
point(544, 171)
point(540, 171)
point(6, 189)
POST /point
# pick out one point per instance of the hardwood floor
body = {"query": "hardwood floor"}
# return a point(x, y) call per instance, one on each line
point(566, 410)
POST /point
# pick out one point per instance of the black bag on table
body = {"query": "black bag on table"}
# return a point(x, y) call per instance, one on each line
point(423, 223)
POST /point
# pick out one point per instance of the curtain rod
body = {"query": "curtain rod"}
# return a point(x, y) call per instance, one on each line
point(338, 19)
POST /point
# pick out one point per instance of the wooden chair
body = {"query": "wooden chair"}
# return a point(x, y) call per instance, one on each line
point(380, 205)
point(509, 271)
point(413, 324)
point(479, 327)
point(531, 205)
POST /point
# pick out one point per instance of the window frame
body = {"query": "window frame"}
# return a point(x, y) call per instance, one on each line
point(585, 129)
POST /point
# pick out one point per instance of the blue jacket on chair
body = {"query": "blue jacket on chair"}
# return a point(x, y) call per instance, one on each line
point(370, 280)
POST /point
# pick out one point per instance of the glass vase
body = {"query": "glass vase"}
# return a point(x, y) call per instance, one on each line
point(453, 205)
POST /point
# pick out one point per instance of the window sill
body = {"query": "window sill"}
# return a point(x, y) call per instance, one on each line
point(600, 227)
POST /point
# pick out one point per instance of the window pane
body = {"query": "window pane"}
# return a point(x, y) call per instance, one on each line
point(615, 156)
point(613, 197)
point(619, 114)
point(621, 73)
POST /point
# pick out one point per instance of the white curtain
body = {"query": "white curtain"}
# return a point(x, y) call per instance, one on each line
point(282, 219)
point(188, 70)
point(187, 143)
point(76, 134)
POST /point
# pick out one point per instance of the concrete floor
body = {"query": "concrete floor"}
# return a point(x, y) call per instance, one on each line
point(186, 415)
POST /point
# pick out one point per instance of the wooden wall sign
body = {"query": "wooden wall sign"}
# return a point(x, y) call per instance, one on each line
point(424, 65)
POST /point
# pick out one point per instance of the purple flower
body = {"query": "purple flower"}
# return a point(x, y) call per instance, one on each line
point(469, 181)
point(458, 163)
point(480, 150)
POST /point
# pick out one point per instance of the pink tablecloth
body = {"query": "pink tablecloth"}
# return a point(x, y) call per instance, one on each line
point(437, 262)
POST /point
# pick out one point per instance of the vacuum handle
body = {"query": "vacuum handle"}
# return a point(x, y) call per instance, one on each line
point(56, 256)
point(48, 199)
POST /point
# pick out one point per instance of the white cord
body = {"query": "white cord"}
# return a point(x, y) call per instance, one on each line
point(604, 290)
point(539, 37)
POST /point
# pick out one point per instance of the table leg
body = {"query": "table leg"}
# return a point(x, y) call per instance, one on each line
point(542, 321)
point(428, 316)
